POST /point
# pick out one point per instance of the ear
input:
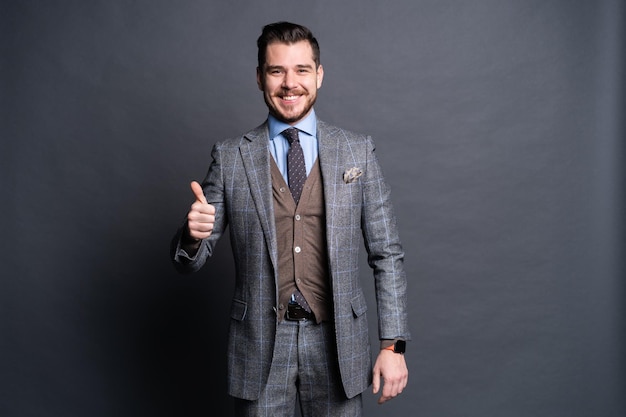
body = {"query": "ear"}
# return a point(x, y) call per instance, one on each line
point(259, 78)
point(320, 75)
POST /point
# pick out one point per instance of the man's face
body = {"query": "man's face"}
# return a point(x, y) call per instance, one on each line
point(289, 80)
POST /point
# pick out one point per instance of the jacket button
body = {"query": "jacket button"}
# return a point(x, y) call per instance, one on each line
point(297, 249)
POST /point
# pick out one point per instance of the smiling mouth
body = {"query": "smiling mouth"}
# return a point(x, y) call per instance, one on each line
point(290, 98)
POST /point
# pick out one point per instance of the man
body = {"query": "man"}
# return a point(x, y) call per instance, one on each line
point(298, 325)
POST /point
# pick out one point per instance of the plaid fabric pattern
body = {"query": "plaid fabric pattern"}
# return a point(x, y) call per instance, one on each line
point(304, 357)
point(358, 211)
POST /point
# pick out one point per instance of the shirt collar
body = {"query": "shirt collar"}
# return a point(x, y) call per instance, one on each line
point(307, 125)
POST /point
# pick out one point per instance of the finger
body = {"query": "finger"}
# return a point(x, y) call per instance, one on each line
point(392, 389)
point(376, 382)
point(205, 209)
point(197, 192)
point(199, 226)
point(386, 394)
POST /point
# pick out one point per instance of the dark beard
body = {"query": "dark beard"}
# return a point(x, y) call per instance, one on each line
point(284, 119)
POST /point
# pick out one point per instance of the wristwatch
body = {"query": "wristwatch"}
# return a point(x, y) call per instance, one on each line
point(398, 347)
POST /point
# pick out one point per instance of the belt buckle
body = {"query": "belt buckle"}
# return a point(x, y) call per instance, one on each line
point(296, 308)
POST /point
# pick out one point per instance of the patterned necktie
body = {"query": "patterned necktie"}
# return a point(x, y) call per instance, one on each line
point(296, 175)
point(296, 170)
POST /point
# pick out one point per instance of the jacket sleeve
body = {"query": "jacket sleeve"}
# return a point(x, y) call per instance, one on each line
point(214, 193)
point(385, 254)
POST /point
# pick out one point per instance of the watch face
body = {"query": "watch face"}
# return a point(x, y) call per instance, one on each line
point(400, 346)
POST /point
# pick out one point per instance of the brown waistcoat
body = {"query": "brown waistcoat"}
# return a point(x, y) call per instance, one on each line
point(301, 236)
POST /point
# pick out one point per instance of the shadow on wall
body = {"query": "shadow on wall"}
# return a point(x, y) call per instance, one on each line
point(160, 336)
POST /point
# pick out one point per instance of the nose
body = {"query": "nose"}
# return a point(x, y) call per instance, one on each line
point(289, 80)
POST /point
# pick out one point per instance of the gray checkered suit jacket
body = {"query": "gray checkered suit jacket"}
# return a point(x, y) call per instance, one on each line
point(238, 184)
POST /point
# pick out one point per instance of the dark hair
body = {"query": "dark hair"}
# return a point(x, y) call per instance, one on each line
point(286, 32)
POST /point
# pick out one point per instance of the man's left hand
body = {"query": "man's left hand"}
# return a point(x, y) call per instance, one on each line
point(392, 368)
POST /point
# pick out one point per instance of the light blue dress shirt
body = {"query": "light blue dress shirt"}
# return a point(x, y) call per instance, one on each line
point(279, 146)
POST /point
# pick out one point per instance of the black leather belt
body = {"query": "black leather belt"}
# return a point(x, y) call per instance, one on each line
point(295, 312)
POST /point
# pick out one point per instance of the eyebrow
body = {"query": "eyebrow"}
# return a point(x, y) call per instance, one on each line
point(273, 67)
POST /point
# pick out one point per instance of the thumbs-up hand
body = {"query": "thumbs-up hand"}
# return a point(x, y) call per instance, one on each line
point(201, 216)
point(196, 189)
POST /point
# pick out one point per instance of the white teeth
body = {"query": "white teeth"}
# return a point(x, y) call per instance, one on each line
point(289, 98)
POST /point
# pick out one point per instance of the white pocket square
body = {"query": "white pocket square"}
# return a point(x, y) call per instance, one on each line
point(351, 175)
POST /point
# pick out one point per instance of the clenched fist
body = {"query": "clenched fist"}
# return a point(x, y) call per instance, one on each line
point(201, 216)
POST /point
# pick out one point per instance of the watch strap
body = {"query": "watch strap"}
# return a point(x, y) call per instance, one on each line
point(394, 345)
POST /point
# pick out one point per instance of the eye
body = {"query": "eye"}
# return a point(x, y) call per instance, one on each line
point(274, 70)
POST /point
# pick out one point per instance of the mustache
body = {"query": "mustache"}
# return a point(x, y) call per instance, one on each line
point(292, 92)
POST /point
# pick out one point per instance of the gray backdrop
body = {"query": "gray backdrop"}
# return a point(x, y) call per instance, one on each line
point(499, 124)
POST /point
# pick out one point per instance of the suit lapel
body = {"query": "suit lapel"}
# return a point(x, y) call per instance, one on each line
point(256, 161)
point(330, 157)
point(332, 148)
